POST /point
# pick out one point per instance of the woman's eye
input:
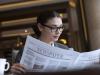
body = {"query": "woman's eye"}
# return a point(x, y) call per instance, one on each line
point(54, 27)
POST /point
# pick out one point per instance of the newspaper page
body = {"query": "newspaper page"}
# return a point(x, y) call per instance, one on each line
point(87, 59)
point(41, 57)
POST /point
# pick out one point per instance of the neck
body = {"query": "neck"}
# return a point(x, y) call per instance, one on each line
point(45, 40)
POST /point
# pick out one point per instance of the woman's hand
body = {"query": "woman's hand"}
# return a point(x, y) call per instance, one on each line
point(18, 69)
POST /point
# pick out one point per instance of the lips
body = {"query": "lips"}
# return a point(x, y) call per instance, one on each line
point(56, 36)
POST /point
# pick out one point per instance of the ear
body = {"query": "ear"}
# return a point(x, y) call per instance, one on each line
point(40, 27)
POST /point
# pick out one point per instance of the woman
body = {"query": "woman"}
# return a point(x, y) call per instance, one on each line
point(50, 28)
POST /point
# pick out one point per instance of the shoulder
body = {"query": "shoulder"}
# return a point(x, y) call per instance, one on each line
point(61, 45)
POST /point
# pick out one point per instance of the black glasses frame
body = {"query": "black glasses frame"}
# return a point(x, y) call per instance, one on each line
point(56, 28)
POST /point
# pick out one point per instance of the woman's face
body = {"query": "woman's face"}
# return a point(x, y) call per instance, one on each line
point(52, 29)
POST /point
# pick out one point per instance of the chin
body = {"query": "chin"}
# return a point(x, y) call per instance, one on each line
point(54, 39)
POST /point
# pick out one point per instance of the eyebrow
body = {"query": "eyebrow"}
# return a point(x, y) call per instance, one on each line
point(56, 25)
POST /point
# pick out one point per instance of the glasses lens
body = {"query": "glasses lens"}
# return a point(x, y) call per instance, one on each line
point(57, 29)
point(60, 29)
point(53, 30)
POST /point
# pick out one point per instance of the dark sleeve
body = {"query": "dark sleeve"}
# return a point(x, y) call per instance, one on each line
point(19, 55)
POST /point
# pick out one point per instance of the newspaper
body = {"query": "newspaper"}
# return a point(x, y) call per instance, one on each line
point(41, 57)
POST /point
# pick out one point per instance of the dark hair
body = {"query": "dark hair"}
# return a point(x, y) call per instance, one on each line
point(43, 18)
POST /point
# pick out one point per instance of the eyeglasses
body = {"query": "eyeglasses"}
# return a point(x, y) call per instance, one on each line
point(55, 29)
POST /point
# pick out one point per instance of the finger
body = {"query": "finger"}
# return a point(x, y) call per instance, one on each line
point(15, 72)
point(17, 68)
point(20, 65)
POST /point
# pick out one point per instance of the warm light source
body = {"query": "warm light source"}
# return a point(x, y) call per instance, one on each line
point(64, 41)
point(26, 31)
point(72, 3)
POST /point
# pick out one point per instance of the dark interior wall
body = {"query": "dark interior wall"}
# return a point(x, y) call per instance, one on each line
point(92, 11)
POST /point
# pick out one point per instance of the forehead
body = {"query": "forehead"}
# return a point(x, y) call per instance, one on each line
point(55, 21)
